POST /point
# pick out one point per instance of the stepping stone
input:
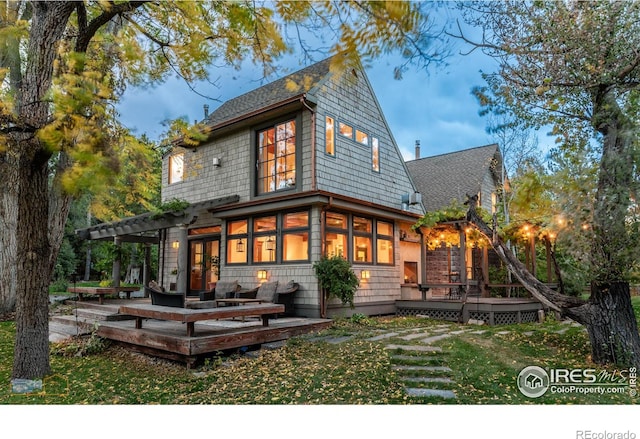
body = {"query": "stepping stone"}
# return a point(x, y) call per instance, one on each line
point(337, 340)
point(273, 345)
point(503, 332)
point(429, 340)
point(418, 358)
point(528, 333)
point(462, 331)
point(416, 348)
point(428, 380)
point(562, 331)
point(441, 329)
point(424, 368)
point(447, 394)
point(479, 332)
point(383, 336)
point(414, 336)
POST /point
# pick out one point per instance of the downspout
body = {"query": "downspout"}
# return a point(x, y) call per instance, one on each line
point(313, 142)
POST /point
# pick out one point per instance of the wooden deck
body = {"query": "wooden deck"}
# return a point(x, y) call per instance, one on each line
point(168, 339)
point(491, 311)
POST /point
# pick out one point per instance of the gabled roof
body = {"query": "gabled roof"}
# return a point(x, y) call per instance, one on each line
point(445, 177)
point(287, 89)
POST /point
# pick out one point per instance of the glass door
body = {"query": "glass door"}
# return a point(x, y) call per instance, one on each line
point(204, 257)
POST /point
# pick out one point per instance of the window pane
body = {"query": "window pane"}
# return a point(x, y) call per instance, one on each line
point(362, 137)
point(265, 224)
point(176, 168)
point(385, 228)
point(296, 220)
point(329, 136)
point(345, 130)
point(237, 227)
point(264, 248)
point(336, 220)
point(295, 246)
point(362, 249)
point(375, 155)
point(361, 224)
point(237, 251)
point(277, 158)
point(336, 244)
point(385, 251)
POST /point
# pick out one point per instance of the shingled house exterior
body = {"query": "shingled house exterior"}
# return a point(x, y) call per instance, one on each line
point(298, 168)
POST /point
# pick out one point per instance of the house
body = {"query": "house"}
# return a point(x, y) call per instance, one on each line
point(301, 167)
point(442, 180)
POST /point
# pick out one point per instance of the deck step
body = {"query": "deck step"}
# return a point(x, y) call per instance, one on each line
point(102, 314)
point(86, 324)
point(95, 305)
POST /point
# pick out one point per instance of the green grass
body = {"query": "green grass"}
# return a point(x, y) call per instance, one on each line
point(307, 371)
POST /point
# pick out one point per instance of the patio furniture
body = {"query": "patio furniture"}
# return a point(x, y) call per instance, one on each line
point(164, 298)
point(223, 290)
point(276, 292)
point(190, 316)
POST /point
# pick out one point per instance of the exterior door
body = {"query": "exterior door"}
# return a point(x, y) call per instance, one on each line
point(204, 260)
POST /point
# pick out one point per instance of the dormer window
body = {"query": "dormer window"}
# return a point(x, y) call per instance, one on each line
point(276, 158)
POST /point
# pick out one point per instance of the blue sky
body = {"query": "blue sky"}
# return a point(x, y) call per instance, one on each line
point(435, 107)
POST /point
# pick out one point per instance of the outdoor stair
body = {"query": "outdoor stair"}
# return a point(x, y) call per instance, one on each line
point(83, 320)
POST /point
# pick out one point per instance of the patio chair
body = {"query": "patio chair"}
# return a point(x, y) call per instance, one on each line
point(276, 292)
point(164, 298)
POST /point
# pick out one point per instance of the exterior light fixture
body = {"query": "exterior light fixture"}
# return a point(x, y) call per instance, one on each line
point(240, 246)
point(365, 274)
point(175, 244)
point(262, 274)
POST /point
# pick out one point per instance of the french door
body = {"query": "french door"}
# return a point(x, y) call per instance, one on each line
point(204, 257)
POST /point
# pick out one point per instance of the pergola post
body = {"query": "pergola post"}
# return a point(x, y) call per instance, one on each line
point(115, 268)
point(463, 260)
point(146, 268)
point(484, 291)
point(182, 277)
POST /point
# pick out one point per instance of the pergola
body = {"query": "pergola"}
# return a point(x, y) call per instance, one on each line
point(150, 228)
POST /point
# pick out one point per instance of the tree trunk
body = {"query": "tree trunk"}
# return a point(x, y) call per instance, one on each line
point(608, 315)
point(33, 257)
point(8, 246)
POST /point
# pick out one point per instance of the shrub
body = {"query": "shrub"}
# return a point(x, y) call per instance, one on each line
point(337, 279)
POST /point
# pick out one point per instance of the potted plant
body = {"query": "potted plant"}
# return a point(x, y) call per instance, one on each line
point(337, 280)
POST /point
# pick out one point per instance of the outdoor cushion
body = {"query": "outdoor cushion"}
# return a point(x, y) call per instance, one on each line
point(226, 289)
point(153, 285)
point(284, 288)
point(267, 291)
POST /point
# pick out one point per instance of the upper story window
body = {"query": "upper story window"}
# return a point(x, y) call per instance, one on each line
point(362, 138)
point(345, 130)
point(375, 155)
point(330, 137)
point(176, 168)
point(276, 158)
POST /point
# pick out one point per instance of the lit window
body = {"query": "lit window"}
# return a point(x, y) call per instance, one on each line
point(176, 168)
point(345, 130)
point(237, 242)
point(375, 155)
point(330, 147)
point(277, 158)
point(384, 242)
point(362, 250)
point(336, 234)
point(362, 138)
point(295, 237)
point(264, 239)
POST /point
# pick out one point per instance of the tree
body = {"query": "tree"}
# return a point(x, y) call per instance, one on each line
point(62, 65)
point(575, 66)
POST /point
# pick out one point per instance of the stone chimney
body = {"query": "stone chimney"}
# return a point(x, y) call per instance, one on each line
point(417, 149)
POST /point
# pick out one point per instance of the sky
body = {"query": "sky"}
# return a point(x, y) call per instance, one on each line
point(435, 106)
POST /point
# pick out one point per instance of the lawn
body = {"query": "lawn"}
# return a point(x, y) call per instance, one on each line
point(484, 363)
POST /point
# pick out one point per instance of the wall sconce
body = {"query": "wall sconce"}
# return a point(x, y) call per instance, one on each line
point(217, 162)
point(262, 274)
point(240, 246)
point(175, 244)
point(365, 274)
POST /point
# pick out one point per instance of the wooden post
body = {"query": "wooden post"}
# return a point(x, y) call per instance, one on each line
point(182, 279)
point(146, 269)
point(484, 291)
point(115, 269)
point(532, 249)
point(463, 262)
